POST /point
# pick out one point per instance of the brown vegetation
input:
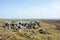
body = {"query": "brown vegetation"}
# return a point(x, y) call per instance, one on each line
point(50, 32)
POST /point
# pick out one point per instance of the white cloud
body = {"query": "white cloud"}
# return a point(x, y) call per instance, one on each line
point(55, 5)
point(53, 11)
point(34, 12)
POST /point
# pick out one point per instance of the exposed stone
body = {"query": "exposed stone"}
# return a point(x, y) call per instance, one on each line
point(43, 31)
point(21, 25)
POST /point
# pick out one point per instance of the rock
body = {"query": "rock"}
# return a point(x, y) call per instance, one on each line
point(43, 31)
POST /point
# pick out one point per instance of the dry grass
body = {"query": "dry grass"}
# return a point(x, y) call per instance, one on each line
point(25, 34)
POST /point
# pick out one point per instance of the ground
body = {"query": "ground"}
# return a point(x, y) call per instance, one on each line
point(31, 34)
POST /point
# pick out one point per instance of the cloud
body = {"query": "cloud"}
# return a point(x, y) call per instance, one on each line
point(55, 5)
point(52, 11)
point(34, 12)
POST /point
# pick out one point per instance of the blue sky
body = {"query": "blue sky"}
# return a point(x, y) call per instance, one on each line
point(27, 9)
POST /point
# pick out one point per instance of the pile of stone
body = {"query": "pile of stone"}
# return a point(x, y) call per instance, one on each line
point(20, 25)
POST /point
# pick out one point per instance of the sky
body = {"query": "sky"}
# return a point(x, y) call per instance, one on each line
point(30, 9)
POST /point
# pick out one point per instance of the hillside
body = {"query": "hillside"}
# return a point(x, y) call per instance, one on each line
point(49, 30)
